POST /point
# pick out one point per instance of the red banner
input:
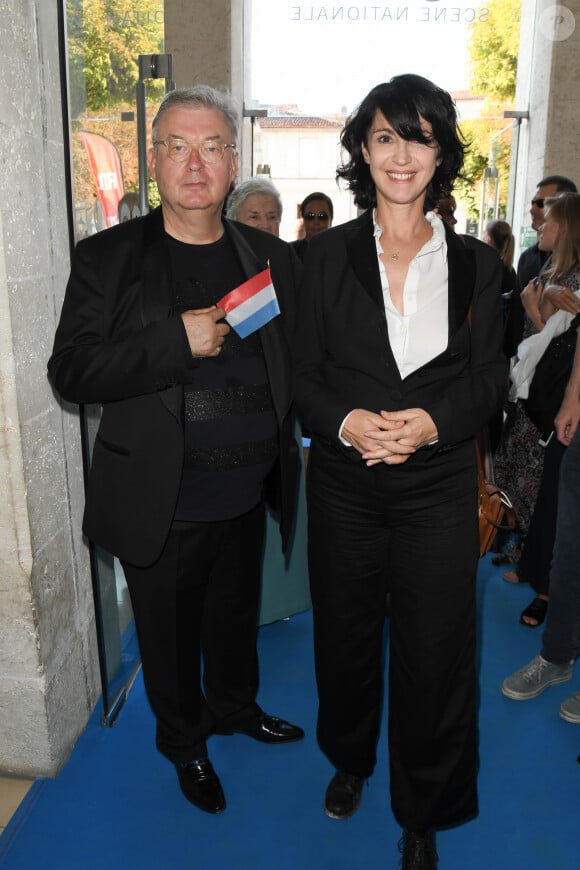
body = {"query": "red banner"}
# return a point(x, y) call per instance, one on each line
point(107, 173)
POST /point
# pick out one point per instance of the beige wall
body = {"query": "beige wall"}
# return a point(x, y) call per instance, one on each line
point(549, 89)
point(207, 42)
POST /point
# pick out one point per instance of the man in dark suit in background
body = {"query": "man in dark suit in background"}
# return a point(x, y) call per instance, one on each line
point(195, 430)
point(532, 259)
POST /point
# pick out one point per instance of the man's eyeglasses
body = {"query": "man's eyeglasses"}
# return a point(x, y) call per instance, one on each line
point(321, 215)
point(539, 202)
point(179, 150)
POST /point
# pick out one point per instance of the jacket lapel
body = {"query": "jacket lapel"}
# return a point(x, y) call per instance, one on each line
point(462, 272)
point(156, 295)
point(155, 298)
point(249, 262)
point(271, 335)
point(362, 255)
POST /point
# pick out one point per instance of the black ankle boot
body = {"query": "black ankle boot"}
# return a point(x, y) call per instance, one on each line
point(418, 849)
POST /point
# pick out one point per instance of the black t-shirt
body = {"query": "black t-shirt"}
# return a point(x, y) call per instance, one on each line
point(231, 440)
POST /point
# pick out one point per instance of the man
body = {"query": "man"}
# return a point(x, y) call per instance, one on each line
point(532, 259)
point(561, 638)
point(195, 428)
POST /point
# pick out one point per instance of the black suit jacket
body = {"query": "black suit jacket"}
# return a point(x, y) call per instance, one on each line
point(343, 356)
point(119, 344)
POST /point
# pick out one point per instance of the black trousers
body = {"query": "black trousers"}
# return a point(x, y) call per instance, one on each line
point(196, 610)
point(411, 530)
point(536, 557)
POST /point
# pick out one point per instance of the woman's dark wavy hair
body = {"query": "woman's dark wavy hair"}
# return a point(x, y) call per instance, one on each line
point(404, 100)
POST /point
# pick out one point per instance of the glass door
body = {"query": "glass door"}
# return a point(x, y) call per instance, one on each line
point(101, 42)
point(307, 94)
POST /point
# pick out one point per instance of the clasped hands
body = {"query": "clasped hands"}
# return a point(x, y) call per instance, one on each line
point(562, 297)
point(389, 437)
point(204, 333)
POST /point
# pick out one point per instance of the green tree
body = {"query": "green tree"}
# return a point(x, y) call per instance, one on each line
point(105, 39)
point(493, 51)
point(493, 56)
point(473, 166)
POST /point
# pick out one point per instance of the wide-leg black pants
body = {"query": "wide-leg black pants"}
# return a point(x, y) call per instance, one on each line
point(411, 530)
point(196, 609)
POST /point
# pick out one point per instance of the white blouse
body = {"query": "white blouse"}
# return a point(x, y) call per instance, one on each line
point(421, 332)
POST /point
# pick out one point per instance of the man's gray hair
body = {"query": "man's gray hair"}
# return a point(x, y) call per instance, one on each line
point(259, 184)
point(200, 97)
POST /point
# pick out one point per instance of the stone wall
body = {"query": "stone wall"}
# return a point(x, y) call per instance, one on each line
point(549, 89)
point(48, 658)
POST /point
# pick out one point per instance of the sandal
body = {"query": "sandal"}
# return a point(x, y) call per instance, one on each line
point(536, 610)
point(513, 576)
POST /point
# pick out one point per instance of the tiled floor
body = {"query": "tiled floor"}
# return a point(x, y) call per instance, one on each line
point(12, 792)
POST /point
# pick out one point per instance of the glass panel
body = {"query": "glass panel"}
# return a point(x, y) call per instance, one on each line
point(104, 39)
point(337, 52)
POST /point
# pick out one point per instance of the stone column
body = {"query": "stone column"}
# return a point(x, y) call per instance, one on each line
point(549, 89)
point(48, 655)
point(208, 43)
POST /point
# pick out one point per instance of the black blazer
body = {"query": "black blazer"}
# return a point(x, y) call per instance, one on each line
point(343, 357)
point(118, 344)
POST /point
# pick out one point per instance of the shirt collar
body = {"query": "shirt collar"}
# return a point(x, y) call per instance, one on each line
point(437, 242)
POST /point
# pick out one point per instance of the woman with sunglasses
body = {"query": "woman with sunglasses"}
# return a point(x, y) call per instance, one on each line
point(398, 364)
point(316, 211)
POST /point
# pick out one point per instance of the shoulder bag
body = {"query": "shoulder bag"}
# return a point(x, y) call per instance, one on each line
point(495, 509)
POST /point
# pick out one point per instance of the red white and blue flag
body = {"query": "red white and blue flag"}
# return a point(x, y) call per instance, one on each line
point(251, 305)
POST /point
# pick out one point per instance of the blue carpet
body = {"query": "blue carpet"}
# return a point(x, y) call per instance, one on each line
point(117, 803)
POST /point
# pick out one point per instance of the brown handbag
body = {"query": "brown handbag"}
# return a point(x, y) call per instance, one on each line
point(496, 511)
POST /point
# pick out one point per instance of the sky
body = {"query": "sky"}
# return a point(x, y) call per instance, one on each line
point(326, 56)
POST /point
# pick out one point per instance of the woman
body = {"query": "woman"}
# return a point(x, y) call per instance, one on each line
point(257, 203)
point(394, 384)
point(317, 212)
point(499, 235)
point(519, 458)
point(551, 304)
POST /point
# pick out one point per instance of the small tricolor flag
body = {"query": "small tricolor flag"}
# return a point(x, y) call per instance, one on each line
point(251, 305)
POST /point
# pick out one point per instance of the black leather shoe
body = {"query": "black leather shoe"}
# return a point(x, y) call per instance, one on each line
point(343, 795)
point(266, 729)
point(200, 785)
point(418, 851)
